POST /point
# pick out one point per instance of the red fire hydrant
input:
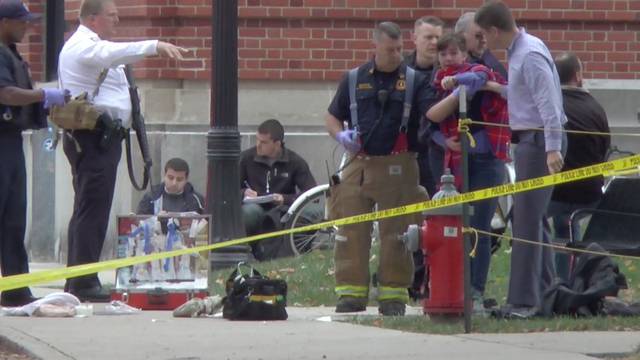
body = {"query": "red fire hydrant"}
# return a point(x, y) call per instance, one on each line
point(440, 238)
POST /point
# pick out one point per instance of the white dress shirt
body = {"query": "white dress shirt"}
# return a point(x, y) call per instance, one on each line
point(85, 55)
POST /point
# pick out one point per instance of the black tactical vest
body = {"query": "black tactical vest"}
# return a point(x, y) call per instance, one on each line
point(24, 117)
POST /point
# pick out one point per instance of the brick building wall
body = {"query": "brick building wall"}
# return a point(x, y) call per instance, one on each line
point(320, 39)
point(32, 46)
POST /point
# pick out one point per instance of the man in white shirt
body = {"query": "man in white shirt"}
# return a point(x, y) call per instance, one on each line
point(94, 164)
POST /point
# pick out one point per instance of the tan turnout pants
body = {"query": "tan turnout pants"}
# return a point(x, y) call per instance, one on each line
point(388, 181)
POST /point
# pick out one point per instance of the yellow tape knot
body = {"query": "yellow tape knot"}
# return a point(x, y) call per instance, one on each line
point(475, 243)
point(463, 128)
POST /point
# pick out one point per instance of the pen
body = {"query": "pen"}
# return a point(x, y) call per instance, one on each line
point(268, 179)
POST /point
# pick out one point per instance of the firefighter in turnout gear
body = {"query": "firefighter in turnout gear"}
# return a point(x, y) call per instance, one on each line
point(381, 102)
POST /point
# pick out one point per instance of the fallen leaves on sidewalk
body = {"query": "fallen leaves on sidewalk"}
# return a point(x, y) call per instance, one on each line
point(9, 352)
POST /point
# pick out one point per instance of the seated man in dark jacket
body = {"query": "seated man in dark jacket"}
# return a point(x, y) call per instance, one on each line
point(174, 194)
point(584, 113)
point(270, 169)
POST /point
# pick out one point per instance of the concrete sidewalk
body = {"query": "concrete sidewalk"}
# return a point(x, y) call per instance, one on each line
point(310, 333)
point(157, 335)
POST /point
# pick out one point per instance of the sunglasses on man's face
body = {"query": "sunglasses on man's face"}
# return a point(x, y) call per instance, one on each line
point(479, 36)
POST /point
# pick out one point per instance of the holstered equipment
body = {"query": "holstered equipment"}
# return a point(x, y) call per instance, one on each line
point(111, 130)
point(79, 113)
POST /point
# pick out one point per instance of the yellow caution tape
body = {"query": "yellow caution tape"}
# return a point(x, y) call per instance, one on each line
point(623, 164)
point(622, 172)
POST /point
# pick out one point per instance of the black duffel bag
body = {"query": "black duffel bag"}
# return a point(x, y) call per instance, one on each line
point(252, 296)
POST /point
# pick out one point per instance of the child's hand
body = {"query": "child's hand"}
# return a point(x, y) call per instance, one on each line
point(449, 82)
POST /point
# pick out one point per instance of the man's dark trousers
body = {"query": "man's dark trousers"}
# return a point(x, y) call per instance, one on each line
point(94, 177)
point(13, 209)
point(532, 266)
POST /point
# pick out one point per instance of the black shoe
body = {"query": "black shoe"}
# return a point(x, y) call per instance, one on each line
point(10, 301)
point(509, 311)
point(392, 308)
point(524, 312)
point(96, 294)
point(490, 303)
point(351, 304)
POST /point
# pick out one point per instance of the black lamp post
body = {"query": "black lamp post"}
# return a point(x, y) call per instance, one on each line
point(223, 139)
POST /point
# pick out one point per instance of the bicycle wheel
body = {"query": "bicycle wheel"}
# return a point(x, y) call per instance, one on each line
point(312, 211)
point(501, 220)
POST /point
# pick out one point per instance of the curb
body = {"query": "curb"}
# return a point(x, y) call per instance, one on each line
point(31, 346)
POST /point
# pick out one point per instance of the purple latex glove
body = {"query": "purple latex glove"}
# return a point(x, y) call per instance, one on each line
point(55, 97)
point(438, 138)
point(349, 139)
point(474, 81)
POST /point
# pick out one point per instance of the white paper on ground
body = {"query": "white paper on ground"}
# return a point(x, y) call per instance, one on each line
point(61, 299)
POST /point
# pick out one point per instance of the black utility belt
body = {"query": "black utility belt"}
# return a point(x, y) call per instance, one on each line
point(362, 155)
point(108, 131)
point(516, 135)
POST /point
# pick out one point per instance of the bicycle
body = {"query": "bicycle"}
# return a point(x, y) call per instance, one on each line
point(309, 208)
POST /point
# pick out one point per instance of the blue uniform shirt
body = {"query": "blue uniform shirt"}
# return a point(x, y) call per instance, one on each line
point(7, 78)
point(370, 81)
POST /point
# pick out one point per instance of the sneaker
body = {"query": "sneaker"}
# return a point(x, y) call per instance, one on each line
point(478, 303)
point(392, 308)
point(351, 304)
point(524, 312)
point(478, 307)
point(509, 311)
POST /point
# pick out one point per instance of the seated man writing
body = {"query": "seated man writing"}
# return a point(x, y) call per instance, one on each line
point(270, 169)
point(174, 194)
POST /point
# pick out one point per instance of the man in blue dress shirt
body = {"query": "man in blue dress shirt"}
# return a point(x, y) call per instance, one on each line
point(536, 117)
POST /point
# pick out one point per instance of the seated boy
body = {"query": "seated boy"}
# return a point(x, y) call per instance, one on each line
point(174, 194)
